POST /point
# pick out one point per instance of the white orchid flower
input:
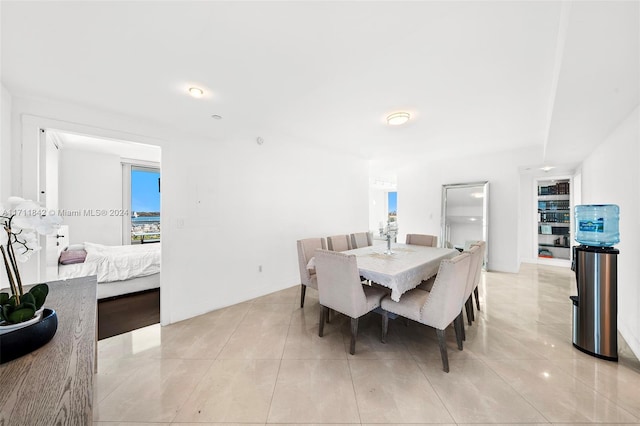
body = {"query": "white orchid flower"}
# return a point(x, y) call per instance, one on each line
point(48, 224)
point(15, 200)
point(27, 219)
point(27, 215)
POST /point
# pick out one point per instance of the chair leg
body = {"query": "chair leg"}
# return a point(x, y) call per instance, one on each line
point(462, 330)
point(443, 350)
point(475, 292)
point(458, 325)
point(321, 321)
point(385, 326)
point(329, 315)
point(354, 334)
point(303, 291)
point(469, 308)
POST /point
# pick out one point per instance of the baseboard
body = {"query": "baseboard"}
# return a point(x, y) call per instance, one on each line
point(626, 354)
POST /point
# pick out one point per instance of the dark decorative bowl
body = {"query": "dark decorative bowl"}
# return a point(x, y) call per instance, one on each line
point(22, 341)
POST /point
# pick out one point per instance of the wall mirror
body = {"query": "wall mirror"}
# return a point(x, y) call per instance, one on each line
point(465, 215)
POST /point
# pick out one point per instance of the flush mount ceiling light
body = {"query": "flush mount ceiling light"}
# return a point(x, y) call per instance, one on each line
point(398, 118)
point(196, 92)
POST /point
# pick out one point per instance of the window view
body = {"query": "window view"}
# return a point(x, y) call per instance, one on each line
point(145, 205)
point(392, 200)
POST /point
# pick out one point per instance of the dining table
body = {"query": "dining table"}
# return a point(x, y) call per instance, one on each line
point(401, 270)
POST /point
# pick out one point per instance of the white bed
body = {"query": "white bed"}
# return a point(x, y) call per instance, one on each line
point(119, 269)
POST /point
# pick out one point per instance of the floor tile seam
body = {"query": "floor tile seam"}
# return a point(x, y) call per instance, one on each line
point(120, 384)
point(424, 374)
point(555, 324)
point(275, 383)
point(353, 387)
point(316, 423)
point(486, 358)
point(597, 392)
point(226, 342)
point(524, 398)
point(193, 389)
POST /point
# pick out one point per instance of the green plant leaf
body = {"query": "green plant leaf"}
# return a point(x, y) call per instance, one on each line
point(39, 292)
point(2, 318)
point(21, 315)
point(27, 298)
point(28, 305)
point(4, 298)
point(6, 310)
point(12, 301)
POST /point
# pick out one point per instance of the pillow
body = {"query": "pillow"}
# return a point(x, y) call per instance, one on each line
point(69, 257)
point(75, 247)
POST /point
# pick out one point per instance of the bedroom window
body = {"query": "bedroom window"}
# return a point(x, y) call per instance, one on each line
point(392, 206)
point(145, 205)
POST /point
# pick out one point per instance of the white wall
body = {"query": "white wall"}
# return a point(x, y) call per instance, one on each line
point(89, 183)
point(610, 176)
point(527, 213)
point(378, 209)
point(419, 197)
point(227, 206)
point(5, 159)
point(5, 144)
point(244, 206)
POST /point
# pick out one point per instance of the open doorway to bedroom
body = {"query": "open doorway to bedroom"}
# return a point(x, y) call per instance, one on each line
point(94, 198)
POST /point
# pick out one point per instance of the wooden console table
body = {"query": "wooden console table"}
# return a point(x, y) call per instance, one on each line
point(54, 384)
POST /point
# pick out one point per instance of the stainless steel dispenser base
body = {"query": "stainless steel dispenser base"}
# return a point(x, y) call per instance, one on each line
point(595, 308)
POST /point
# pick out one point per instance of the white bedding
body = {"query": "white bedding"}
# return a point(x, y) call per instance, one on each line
point(115, 263)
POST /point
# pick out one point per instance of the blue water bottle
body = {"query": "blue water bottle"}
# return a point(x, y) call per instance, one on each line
point(597, 224)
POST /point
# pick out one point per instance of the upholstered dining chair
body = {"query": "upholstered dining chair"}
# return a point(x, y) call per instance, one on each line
point(475, 252)
point(306, 250)
point(422, 240)
point(483, 248)
point(436, 308)
point(339, 243)
point(340, 289)
point(361, 239)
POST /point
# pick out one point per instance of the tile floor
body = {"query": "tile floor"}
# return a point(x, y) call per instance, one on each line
point(262, 362)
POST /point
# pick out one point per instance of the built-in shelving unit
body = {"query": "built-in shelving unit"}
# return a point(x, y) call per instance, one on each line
point(554, 219)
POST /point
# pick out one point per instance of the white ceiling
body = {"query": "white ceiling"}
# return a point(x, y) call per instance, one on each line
point(476, 76)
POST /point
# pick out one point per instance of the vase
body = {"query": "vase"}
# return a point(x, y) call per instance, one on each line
point(19, 341)
point(6, 328)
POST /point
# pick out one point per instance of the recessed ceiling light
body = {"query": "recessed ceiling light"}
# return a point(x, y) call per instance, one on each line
point(196, 92)
point(398, 118)
point(546, 168)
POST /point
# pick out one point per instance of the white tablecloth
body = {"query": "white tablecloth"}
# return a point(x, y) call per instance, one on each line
point(402, 270)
